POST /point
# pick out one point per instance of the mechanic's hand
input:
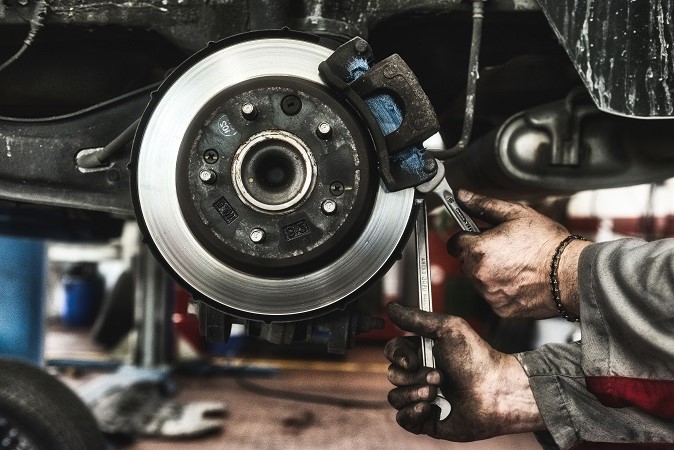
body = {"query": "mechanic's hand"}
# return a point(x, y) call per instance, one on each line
point(509, 264)
point(488, 390)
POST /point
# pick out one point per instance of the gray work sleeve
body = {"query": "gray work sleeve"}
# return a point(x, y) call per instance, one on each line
point(616, 385)
point(627, 309)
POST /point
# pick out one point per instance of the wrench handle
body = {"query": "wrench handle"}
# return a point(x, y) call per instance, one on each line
point(444, 191)
point(429, 361)
point(426, 300)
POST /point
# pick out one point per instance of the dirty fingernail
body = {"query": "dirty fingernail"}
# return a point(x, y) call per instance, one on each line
point(422, 392)
point(464, 195)
point(433, 377)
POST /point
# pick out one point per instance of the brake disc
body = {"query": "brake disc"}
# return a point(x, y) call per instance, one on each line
point(257, 186)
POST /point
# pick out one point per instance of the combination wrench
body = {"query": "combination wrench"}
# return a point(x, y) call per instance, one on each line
point(439, 186)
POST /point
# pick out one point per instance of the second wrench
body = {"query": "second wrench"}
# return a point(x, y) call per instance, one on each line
point(439, 186)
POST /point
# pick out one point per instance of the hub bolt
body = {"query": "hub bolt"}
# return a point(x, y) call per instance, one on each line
point(328, 207)
point(337, 188)
point(248, 111)
point(211, 156)
point(257, 235)
point(208, 176)
point(324, 130)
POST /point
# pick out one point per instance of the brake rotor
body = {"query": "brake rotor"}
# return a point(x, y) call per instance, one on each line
point(257, 186)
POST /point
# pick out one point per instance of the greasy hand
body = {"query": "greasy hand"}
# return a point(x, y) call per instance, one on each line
point(509, 264)
point(488, 390)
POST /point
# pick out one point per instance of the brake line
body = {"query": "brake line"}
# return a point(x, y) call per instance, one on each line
point(36, 23)
point(471, 85)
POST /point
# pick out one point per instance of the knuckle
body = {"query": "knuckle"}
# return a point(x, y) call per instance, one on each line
point(458, 323)
point(391, 374)
point(393, 398)
point(389, 348)
point(509, 315)
point(451, 326)
point(484, 203)
point(403, 419)
point(392, 348)
point(482, 272)
point(504, 313)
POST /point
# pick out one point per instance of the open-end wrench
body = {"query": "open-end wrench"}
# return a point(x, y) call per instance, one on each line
point(439, 186)
point(426, 298)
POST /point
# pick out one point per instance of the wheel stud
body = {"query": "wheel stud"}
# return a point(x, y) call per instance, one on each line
point(208, 176)
point(329, 207)
point(257, 235)
point(249, 111)
point(324, 130)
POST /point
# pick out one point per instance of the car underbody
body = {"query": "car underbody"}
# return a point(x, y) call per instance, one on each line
point(562, 99)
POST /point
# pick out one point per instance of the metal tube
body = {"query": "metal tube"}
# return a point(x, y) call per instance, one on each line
point(471, 85)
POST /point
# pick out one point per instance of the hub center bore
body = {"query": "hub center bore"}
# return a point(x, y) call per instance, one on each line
point(273, 171)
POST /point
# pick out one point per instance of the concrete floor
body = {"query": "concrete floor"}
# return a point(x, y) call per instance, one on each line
point(309, 403)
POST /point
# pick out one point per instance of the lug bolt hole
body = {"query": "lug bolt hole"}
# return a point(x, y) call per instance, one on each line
point(291, 104)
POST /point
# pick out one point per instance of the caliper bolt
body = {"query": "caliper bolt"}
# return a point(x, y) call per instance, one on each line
point(248, 111)
point(208, 176)
point(291, 104)
point(430, 165)
point(211, 156)
point(337, 188)
point(257, 235)
point(329, 207)
point(361, 46)
point(324, 130)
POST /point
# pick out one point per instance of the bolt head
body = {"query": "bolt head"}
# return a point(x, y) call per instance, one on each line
point(329, 207)
point(207, 176)
point(361, 46)
point(337, 188)
point(112, 175)
point(430, 165)
point(211, 156)
point(257, 235)
point(324, 130)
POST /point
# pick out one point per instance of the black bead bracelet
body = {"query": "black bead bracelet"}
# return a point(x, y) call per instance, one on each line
point(554, 281)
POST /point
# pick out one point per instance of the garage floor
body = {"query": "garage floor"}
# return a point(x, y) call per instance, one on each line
point(326, 403)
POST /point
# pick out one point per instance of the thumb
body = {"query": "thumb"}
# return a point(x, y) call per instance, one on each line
point(491, 210)
point(422, 323)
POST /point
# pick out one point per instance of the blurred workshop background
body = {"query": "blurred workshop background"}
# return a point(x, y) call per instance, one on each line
point(78, 315)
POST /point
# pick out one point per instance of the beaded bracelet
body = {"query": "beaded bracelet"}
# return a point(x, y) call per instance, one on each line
point(554, 281)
